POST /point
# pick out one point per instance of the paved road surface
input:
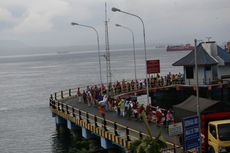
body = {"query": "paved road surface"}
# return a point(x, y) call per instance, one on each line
point(130, 122)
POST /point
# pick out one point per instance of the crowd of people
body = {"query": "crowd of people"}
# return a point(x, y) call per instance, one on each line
point(129, 107)
point(124, 107)
point(153, 81)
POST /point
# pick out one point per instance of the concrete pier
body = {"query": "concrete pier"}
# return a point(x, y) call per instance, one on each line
point(59, 120)
point(115, 131)
point(106, 144)
point(71, 125)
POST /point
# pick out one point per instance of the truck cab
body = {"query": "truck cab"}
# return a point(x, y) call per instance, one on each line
point(219, 136)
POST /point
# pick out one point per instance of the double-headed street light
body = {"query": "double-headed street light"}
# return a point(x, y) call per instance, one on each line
point(147, 84)
point(98, 46)
point(134, 52)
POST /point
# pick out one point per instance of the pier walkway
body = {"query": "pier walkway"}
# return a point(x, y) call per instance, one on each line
point(112, 129)
point(119, 130)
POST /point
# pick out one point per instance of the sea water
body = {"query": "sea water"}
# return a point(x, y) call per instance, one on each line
point(27, 80)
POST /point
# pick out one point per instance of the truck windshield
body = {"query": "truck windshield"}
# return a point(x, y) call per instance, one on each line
point(224, 132)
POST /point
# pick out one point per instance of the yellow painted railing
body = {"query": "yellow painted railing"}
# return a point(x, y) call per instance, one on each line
point(115, 132)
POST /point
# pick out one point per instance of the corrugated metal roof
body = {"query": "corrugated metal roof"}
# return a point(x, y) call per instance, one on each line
point(203, 58)
point(223, 54)
point(190, 104)
point(206, 106)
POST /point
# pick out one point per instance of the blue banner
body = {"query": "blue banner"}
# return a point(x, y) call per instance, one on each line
point(191, 132)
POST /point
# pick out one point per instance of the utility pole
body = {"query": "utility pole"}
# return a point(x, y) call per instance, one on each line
point(107, 54)
point(197, 95)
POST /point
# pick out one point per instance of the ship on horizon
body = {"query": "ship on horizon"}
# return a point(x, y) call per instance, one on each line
point(186, 47)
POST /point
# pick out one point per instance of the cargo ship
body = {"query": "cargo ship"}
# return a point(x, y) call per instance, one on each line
point(186, 47)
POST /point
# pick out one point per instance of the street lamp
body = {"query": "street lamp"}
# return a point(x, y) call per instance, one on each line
point(98, 46)
point(134, 52)
point(147, 84)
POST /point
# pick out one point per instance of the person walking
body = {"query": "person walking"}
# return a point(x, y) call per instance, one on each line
point(122, 107)
point(169, 118)
point(101, 109)
point(149, 112)
point(84, 95)
point(158, 115)
point(135, 109)
point(79, 95)
point(140, 110)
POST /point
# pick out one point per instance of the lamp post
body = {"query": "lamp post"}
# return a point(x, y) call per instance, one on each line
point(98, 46)
point(147, 84)
point(197, 94)
point(134, 52)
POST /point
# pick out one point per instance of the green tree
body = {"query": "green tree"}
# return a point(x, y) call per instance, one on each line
point(148, 144)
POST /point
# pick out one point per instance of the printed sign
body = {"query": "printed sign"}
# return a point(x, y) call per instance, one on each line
point(153, 66)
point(175, 129)
point(191, 132)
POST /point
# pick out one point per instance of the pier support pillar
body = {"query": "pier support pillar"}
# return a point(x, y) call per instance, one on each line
point(71, 125)
point(53, 114)
point(59, 120)
point(86, 133)
point(106, 144)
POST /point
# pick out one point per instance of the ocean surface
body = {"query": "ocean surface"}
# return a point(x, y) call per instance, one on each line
point(27, 80)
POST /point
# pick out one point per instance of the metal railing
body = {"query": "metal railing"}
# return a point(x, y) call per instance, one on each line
point(115, 128)
point(57, 102)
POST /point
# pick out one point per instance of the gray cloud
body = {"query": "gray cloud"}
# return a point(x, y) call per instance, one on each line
point(47, 22)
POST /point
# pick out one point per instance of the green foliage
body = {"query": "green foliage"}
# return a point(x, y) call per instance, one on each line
point(83, 145)
point(146, 124)
point(148, 144)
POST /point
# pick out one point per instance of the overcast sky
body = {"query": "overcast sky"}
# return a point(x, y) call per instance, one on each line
point(47, 22)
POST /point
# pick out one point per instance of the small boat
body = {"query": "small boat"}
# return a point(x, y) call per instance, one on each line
point(186, 47)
